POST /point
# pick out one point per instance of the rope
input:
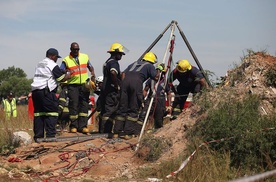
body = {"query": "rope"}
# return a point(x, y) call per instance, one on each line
point(257, 177)
point(17, 129)
point(80, 155)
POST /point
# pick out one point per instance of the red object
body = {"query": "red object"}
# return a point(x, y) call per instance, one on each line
point(92, 103)
point(14, 159)
point(187, 104)
point(30, 107)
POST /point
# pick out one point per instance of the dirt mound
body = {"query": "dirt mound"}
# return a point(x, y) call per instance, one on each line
point(104, 159)
point(251, 78)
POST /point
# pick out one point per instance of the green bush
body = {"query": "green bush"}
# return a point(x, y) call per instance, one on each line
point(251, 147)
point(271, 77)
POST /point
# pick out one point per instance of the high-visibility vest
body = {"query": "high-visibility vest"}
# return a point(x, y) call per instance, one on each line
point(79, 72)
point(10, 108)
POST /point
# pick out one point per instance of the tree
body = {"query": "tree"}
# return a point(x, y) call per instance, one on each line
point(14, 80)
point(5, 74)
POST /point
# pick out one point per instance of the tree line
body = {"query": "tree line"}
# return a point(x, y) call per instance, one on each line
point(14, 80)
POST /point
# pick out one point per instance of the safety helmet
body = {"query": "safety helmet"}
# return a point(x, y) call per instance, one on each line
point(99, 79)
point(117, 47)
point(150, 57)
point(183, 66)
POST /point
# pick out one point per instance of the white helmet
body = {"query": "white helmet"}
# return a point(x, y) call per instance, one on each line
point(99, 79)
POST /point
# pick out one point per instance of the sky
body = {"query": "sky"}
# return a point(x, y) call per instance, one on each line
point(219, 31)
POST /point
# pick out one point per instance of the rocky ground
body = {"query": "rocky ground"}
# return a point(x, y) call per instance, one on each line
point(105, 159)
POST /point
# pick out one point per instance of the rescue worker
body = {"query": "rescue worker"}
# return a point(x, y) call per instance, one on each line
point(110, 92)
point(9, 106)
point(44, 87)
point(63, 111)
point(132, 94)
point(191, 79)
point(78, 94)
point(158, 109)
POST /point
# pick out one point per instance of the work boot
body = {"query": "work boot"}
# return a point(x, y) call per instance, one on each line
point(115, 135)
point(173, 118)
point(85, 130)
point(73, 130)
point(58, 128)
point(127, 137)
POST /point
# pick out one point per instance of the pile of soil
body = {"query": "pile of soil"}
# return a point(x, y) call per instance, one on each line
point(103, 159)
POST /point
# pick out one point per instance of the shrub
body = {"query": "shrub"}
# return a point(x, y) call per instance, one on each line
point(243, 128)
point(271, 77)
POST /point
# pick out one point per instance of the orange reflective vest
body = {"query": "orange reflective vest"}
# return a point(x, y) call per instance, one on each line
point(79, 72)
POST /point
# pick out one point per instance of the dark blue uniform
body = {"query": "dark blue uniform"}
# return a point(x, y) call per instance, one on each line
point(158, 108)
point(46, 109)
point(109, 96)
point(132, 97)
point(188, 82)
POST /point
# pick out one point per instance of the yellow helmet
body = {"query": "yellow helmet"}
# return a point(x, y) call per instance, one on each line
point(150, 57)
point(183, 66)
point(117, 47)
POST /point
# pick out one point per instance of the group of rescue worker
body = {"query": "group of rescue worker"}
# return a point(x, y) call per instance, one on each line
point(121, 96)
point(124, 106)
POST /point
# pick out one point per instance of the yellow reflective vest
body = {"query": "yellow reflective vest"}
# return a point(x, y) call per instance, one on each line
point(79, 72)
point(10, 108)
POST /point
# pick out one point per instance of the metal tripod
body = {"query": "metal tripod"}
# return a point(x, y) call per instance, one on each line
point(173, 24)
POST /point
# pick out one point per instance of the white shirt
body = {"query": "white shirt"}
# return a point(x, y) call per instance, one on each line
point(44, 76)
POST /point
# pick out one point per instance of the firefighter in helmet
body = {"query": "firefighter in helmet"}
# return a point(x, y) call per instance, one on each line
point(110, 91)
point(132, 94)
point(158, 108)
point(190, 78)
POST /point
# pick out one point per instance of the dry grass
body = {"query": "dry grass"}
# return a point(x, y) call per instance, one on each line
point(20, 123)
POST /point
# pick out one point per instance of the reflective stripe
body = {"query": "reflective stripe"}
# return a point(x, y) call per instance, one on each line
point(140, 66)
point(140, 122)
point(113, 69)
point(46, 114)
point(105, 118)
point(65, 109)
point(177, 110)
point(132, 119)
point(76, 70)
point(83, 114)
point(120, 118)
point(40, 75)
point(62, 99)
point(60, 78)
point(73, 117)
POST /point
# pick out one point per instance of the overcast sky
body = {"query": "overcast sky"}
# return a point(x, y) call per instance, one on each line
point(219, 31)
